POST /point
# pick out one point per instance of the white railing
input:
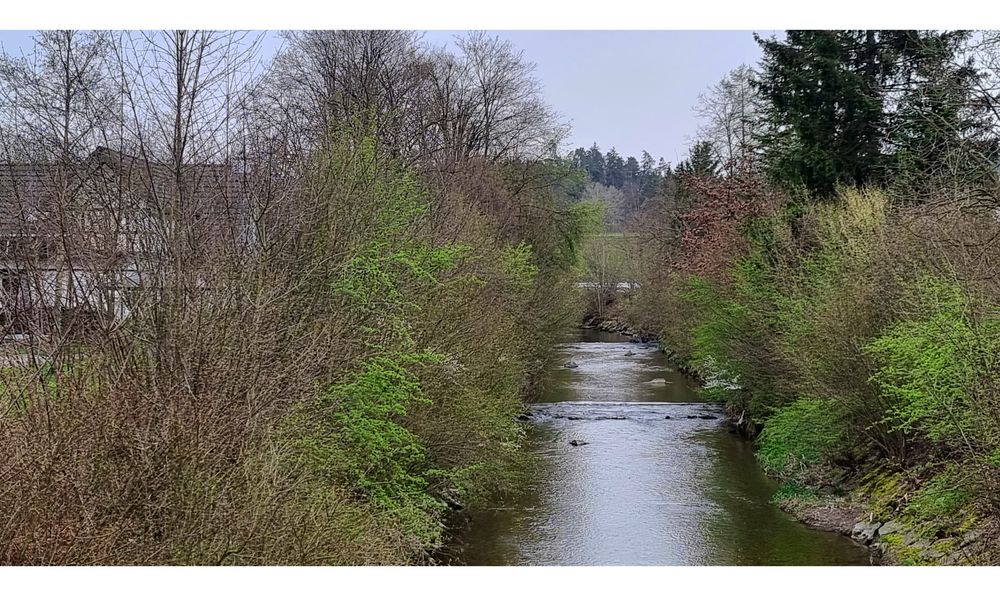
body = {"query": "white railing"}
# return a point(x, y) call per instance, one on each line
point(593, 285)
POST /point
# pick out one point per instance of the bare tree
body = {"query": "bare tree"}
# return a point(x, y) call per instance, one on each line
point(487, 102)
point(732, 117)
point(428, 103)
point(55, 106)
point(182, 93)
point(324, 78)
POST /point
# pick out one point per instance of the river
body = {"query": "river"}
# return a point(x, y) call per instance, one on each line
point(661, 479)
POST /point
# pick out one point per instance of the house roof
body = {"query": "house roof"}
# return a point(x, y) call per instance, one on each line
point(30, 192)
point(37, 199)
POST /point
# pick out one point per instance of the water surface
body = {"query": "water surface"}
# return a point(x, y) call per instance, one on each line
point(660, 480)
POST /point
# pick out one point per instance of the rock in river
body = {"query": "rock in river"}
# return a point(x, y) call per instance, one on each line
point(571, 364)
point(630, 353)
point(577, 443)
point(865, 531)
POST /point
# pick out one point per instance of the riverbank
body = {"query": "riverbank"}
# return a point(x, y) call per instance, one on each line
point(878, 506)
point(893, 540)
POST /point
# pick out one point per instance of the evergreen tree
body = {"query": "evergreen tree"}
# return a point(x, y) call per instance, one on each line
point(595, 165)
point(632, 172)
point(825, 106)
point(701, 161)
point(614, 169)
point(938, 132)
point(860, 107)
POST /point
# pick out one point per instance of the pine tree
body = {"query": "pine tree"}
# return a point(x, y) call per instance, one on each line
point(701, 161)
point(614, 169)
point(825, 107)
point(938, 132)
point(595, 165)
point(864, 106)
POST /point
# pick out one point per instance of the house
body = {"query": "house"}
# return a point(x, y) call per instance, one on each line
point(76, 241)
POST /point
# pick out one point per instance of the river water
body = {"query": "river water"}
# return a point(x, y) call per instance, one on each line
point(660, 481)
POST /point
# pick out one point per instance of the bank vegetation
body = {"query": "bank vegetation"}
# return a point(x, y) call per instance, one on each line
point(269, 310)
point(827, 258)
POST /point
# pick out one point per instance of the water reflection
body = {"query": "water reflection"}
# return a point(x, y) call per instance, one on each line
point(659, 481)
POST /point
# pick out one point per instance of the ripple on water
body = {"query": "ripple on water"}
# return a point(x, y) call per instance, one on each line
point(656, 478)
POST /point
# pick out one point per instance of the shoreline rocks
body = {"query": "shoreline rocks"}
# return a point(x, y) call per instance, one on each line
point(865, 532)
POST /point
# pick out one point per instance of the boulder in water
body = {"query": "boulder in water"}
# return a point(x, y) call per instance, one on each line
point(571, 364)
point(630, 353)
point(865, 531)
point(577, 443)
point(658, 381)
point(708, 417)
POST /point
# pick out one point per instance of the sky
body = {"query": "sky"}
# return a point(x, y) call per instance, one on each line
point(631, 90)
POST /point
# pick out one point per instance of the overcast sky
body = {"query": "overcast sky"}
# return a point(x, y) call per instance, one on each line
point(631, 90)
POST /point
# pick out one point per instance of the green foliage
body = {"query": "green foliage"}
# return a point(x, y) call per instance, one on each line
point(807, 432)
point(519, 266)
point(833, 120)
point(791, 491)
point(826, 111)
point(416, 418)
point(788, 321)
point(940, 498)
point(719, 320)
point(390, 258)
point(582, 218)
point(701, 161)
point(377, 452)
point(643, 175)
point(732, 338)
point(374, 275)
point(930, 362)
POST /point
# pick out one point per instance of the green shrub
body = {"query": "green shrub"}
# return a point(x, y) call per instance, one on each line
point(379, 454)
point(929, 363)
point(518, 265)
point(720, 322)
point(939, 499)
point(804, 433)
point(794, 492)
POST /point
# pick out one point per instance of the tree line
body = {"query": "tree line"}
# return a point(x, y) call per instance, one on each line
point(834, 258)
point(243, 298)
